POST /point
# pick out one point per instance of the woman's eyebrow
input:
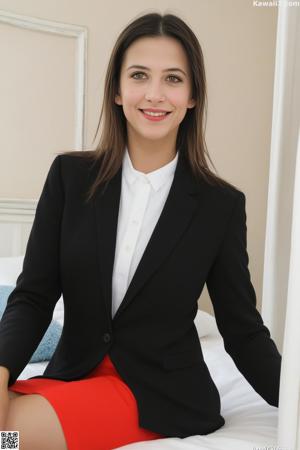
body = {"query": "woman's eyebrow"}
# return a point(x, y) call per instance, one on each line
point(172, 69)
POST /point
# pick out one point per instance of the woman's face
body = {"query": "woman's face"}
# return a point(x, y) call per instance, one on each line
point(155, 87)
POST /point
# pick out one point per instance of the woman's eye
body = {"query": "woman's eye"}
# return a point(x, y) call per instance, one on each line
point(142, 73)
point(174, 76)
point(134, 74)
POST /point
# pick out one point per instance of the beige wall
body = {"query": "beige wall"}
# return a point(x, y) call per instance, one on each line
point(38, 87)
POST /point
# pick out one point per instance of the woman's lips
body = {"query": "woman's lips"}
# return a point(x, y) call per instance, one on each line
point(154, 118)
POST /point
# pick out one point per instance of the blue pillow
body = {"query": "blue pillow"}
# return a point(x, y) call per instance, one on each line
point(50, 339)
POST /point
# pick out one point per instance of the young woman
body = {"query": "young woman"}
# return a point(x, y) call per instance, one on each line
point(130, 233)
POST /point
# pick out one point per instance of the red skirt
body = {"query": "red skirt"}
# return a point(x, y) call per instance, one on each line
point(97, 412)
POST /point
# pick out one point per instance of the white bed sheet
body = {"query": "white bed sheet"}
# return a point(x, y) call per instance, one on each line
point(250, 422)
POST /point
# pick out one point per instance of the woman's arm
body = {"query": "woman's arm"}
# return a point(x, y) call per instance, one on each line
point(30, 305)
point(246, 339)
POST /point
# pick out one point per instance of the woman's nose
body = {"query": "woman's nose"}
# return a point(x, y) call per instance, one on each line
point(154, 93)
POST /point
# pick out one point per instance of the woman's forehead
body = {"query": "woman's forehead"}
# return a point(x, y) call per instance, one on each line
point(156, 53)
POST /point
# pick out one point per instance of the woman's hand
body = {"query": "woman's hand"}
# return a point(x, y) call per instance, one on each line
point(4, 405)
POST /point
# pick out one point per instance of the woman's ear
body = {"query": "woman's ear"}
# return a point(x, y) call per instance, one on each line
point(191, 103)
point(118, 100)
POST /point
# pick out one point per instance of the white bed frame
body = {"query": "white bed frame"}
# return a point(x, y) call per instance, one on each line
point(16, 218)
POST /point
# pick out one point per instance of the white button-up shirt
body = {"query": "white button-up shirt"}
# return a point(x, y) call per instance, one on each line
point(142, 199)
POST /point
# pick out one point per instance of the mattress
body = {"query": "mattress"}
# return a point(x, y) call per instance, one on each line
point(250, 422)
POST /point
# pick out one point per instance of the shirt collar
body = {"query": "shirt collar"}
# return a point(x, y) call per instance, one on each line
point(156, 178)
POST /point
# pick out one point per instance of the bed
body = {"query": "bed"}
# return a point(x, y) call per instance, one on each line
point(250, 422)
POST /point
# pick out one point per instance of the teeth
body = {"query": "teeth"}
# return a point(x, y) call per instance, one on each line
point(150, 113)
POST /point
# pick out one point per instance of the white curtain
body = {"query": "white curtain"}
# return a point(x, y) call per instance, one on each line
point(281, 286)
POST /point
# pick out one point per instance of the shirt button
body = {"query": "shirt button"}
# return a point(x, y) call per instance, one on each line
point(135, 222)
point(128, 247)
point(106, 337)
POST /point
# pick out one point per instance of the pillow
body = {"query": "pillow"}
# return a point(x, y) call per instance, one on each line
point(50, 339)
point(10, 269)
point(205, 324)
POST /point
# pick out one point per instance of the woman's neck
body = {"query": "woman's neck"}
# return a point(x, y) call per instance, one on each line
point(146, 161)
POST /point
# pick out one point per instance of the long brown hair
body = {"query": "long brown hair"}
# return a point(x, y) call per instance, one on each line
point(190, 137)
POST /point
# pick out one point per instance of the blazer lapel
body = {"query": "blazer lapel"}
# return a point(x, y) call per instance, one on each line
point(180, 206)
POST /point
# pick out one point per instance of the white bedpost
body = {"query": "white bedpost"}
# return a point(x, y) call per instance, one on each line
point(289, 411)
point(281, 284)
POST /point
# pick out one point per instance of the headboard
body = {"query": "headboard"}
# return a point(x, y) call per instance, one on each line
point(16, 218)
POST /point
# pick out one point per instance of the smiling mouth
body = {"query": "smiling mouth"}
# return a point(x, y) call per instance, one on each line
point(160, 115)
point(168, 112)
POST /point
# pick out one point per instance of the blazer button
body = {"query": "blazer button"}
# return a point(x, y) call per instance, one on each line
point(106, 337)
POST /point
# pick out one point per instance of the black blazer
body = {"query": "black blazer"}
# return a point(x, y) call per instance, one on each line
point(200, 238)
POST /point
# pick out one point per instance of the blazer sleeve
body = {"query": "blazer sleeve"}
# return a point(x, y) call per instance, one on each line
point(30, 305)
point(246, 339)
